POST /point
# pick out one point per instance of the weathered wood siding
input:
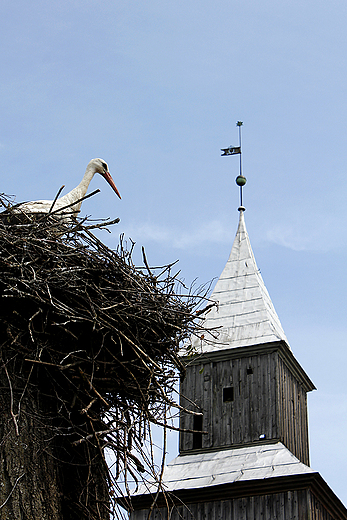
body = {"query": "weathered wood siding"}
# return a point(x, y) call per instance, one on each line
point(292, 408)
point(318, 511)
point(267, 401)
point(289, 505)
point(253, 411)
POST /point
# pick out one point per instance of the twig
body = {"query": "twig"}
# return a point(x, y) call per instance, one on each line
point(56, 197)
point(146, 263)
point(11, 405)
point(9, 496)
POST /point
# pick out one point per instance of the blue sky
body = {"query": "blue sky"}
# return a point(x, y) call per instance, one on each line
point(155, 89)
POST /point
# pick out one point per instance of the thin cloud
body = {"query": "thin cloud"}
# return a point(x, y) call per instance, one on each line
point(211, 232)
point(318, 233)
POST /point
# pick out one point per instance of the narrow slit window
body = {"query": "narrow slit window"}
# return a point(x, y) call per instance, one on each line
point(197, 435)
point(228, 394)
point(249, 371)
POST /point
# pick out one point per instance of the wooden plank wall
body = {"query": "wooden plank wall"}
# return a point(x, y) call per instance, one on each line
point(268, 400)
point(293, 413)
point(288, 505)
point(254, 410)
point(318, 511)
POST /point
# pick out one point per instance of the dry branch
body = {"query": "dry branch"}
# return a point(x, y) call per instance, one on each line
point(95, 337)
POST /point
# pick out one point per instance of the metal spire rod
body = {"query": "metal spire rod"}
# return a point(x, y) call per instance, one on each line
point(239, 124)
point(240, 180)
point(233, 150)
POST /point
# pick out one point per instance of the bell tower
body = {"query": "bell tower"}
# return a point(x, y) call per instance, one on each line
point(244, 380)
point(244, 448)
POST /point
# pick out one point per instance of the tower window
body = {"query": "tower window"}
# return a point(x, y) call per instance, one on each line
point(228, 394)
point(197, 435)
point(249, 371)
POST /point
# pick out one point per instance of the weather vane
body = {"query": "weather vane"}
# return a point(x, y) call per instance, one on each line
point(234, 150)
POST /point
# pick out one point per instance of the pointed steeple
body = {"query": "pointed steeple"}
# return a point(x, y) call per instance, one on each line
point(243, 442)
point(244, 315)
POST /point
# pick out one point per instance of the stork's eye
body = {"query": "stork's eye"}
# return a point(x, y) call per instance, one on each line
point(104, 165)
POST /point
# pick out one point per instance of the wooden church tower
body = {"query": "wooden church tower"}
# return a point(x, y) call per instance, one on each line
point(248, 458)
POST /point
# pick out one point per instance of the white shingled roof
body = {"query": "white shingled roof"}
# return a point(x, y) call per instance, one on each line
point(245, 314)
point(201, 470)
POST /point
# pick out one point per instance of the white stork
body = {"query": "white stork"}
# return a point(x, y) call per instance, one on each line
point(75, 195)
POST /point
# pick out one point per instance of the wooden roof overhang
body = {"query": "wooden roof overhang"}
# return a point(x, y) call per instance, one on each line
point(281, 347)
point(312, 482)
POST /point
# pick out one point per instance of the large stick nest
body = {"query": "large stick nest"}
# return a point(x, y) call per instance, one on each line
point(97, 335)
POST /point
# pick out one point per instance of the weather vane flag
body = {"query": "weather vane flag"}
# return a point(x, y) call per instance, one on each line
point(234, 150)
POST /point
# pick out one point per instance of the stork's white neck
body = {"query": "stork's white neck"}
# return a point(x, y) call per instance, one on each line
point(87, 177)
point(80, 191)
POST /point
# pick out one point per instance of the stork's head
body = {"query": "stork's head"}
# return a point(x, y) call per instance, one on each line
point(100, 166)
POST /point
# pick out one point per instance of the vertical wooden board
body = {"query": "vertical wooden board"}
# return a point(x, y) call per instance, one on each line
point(196, 397)
point(251, 510)
point(243, 509)
point(159, 514)
point(292, 438)
point(226, 512)
point(256, 398)
point(294, 424)
point(296, 507)
point(274, 410)
point(284, 506)
point(206, 381)
point(237, 410)
point(264, 388)
point(190, 511)
point(261, 391)
point(264, 422)
point(284, 402)
point(186, 389)
point(209, 511)
point(268, 393)
point(187, 513)
point(306, 432)
point(225, 377)
point(280, 399)
point(244, 418)
point(279, 506)
point(251, 396)
point(268, 505)
point(279, 416)
point(303, 504)
point(254, 389)
point(219, 511)
point(289, 505)
point(245, 397)
point(175, 512)
point(214, 404)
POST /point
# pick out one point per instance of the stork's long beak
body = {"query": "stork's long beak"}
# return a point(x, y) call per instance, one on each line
point(108, 178)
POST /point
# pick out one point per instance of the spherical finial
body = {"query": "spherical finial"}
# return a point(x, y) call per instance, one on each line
point(240, 180)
